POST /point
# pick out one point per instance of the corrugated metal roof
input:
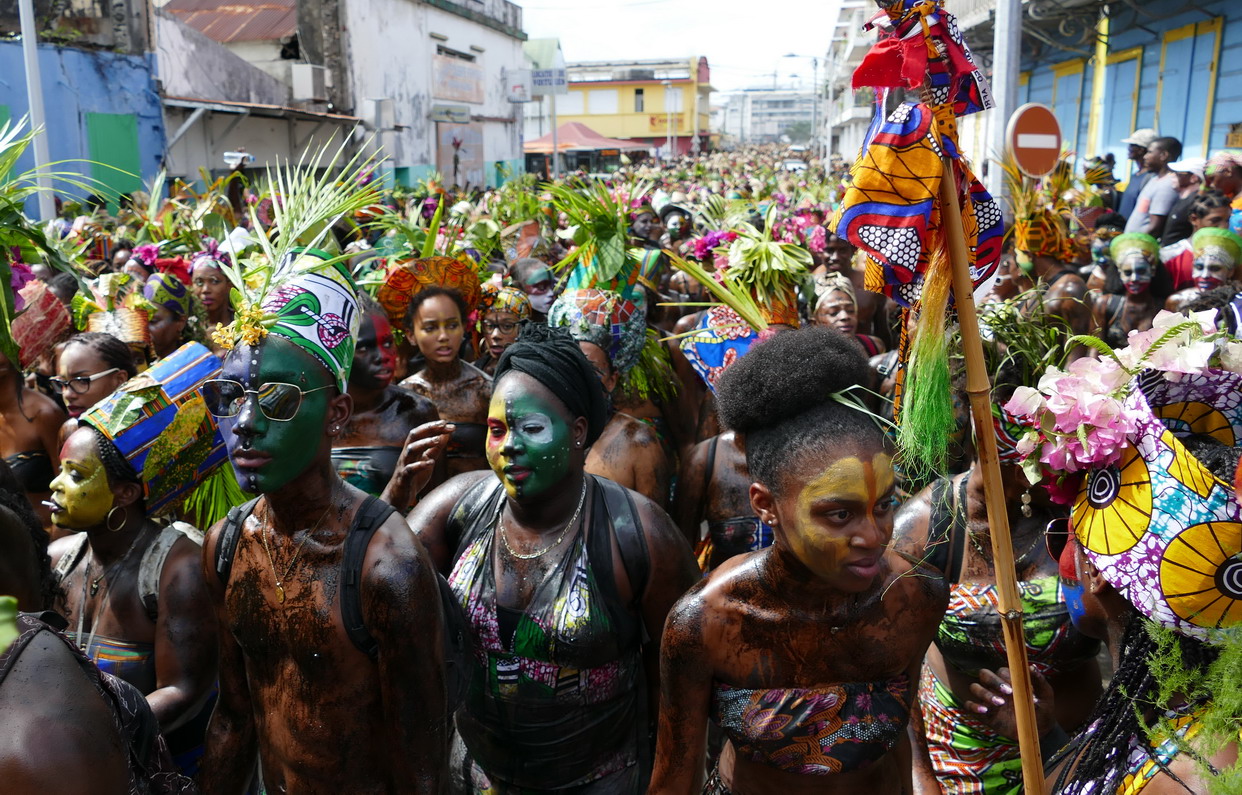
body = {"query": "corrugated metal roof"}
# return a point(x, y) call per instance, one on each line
point(226, 22)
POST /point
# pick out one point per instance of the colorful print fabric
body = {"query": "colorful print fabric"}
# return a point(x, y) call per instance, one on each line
point(718, 341)
point(317, 310)
point(605, 319)
point(407, 278)
point(1163, 530)
point(159, 422)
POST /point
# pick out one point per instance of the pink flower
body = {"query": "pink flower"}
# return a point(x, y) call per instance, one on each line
point(1025, 402)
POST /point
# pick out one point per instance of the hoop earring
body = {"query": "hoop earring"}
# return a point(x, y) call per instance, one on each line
point(108, 520)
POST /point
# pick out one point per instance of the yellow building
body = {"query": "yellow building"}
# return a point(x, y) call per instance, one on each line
point(641, 100)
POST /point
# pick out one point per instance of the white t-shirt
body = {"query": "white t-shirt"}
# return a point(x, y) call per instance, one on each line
point(1158, 197)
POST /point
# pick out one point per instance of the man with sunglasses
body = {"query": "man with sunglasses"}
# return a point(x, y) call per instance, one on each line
point(330, 662)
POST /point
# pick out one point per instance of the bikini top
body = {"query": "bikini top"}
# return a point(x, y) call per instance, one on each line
point(814, 732)
point(368, 468)
point(33, 470)
point(970, 636)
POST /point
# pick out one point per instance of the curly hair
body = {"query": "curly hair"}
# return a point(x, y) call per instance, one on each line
point(780, 396)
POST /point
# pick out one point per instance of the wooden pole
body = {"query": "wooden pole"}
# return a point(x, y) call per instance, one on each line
point(979, 389)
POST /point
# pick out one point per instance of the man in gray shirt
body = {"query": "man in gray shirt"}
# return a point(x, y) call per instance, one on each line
point(1160, 193)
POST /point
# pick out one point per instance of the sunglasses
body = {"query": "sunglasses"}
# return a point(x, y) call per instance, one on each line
point(79, 384)
point(1057, 536)
point(278, 401)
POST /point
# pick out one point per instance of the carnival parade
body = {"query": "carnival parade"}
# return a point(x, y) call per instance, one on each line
point(724, 464)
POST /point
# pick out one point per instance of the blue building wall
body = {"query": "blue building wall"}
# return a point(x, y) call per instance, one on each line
point(1180, 73)
point(89, 100)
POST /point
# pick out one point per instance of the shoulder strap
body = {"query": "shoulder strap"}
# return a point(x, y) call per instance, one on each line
point(152, 564)
point(71, 558)
point(628, 530)
point(957, 532)
point(230, 534)
point(373, 513)
point(467, 511)
point(940, 520)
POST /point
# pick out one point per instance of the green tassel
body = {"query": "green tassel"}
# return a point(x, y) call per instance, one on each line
point(927, 419)
point(210, 501)
point(653, 375)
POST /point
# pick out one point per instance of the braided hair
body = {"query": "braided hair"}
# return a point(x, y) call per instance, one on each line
point(115, 466)
point(111, 350)
point(1206, 202)
point(1101, 751)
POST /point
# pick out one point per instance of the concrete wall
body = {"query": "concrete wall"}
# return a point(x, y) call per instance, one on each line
point(391, 54)
point(192, 65)
point(264, 55)
point(81, 82)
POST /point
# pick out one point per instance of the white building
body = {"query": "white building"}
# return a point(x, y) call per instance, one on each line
point(849, 112)
point(430, 81)
point(764, 115)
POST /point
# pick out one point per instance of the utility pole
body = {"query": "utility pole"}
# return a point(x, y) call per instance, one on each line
point(1006, 61)
point(815, 108)
point(38, 121)
point(668, 118)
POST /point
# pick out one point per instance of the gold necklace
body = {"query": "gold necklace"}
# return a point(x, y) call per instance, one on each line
point(573, 520)
point(280, 579)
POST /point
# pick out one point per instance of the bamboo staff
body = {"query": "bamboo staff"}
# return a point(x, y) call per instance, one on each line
point(979, 389)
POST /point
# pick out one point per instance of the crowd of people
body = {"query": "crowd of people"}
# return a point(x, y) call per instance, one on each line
point(313, 485)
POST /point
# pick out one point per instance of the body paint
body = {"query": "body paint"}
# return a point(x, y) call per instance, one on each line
point(1135, 271)
point(527, 442)
point(267, 455)
point(81, 491)
point(851, 482)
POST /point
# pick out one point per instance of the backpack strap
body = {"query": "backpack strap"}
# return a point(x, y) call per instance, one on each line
point(230, 534)
point(371, 515)
point(152, 564)
point(627, 528)
point(72, 557)
point(958, 532)
point(946, 536)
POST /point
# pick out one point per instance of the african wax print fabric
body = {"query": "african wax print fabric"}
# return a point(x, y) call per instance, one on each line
point(317, 310)
point(891, 210)
point(160, 424)
point(720, 339)
point(166, 290)
point(605, 319)
point(494, 298)
point(408, 277)
point(1162, 529)
point(968, 757)
point(814, 732)
point(41, 324)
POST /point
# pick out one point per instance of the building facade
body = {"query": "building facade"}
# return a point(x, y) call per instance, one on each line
point(767, 115)
point(656, 102)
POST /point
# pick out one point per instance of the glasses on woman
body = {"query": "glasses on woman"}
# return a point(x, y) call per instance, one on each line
point(79, 383)
point(278, 401)
point(506, 326)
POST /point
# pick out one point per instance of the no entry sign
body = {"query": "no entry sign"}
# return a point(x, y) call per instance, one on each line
point(1034, 139)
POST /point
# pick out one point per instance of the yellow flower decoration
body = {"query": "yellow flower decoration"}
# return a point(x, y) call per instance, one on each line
point(1114, 506)
point(220, 335)
point(1201, 574)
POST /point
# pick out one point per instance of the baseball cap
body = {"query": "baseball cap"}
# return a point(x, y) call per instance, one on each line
point(1190, 165)
point(1141, 137)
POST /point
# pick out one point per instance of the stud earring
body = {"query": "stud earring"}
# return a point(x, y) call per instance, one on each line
point(1026, 504)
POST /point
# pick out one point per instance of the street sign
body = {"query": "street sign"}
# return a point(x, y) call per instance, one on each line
point(451, 114)
point(1033, 138)
point(548, 81)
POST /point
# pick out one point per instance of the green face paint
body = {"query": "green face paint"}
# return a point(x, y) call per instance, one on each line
point(267, 454)
point(81, 491)
point(527, 441)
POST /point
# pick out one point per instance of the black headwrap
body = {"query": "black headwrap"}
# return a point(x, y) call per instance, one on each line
point(553, 358)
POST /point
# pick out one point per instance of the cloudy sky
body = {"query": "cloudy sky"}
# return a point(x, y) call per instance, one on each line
point(744, 42)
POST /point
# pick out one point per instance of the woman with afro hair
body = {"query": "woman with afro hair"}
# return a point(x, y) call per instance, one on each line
point(806, 653)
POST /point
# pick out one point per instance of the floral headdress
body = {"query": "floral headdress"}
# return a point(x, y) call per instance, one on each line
point(1162, 529)
point(293, 287)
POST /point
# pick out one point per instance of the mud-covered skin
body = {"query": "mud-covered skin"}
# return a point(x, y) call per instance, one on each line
point(1076, 690)
point(629, 452)
point(293, 687)
point(763, 620)
point(59, 734)
point(184, 631)
point(723, 493)
point(533, 523)
point(1137, 310)
point(460, 392)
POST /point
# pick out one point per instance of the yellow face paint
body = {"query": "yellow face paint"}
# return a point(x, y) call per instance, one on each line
point(81, 491)
point(830, 508)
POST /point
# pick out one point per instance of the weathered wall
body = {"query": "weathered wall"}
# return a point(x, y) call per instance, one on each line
point(192, 65)
point(391, 51)
point(79, 82)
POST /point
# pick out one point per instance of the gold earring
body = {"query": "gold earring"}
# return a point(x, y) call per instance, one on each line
point(108, 520)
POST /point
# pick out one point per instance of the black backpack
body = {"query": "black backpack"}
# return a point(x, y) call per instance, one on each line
point(373, 513)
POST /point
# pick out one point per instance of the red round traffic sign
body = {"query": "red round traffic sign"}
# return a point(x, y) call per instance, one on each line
point(1033, 138)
